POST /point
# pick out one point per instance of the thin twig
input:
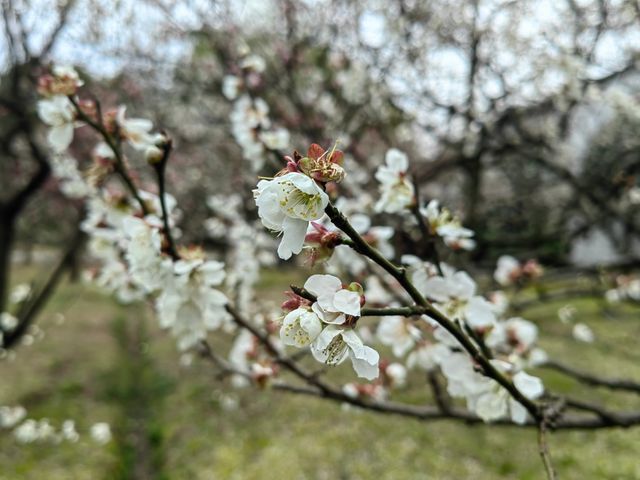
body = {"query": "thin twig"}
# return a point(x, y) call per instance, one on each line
point(160, 169)
point(543, 449)
point(594, 380)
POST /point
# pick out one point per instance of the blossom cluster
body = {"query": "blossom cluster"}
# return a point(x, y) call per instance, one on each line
point(627, 287)
point(427, 346)
point(27, 430)
point(398, 196)
point(327, 325)
point(250, 124)
point(127, 235)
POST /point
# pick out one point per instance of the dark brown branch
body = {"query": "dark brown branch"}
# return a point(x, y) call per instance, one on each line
point(590, 379)
point(439, 394)
point(362, 247)
point(39, 300)
point(160, 169)
point(429, 413)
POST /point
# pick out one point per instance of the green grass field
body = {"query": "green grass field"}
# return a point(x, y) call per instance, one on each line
point(111, 363)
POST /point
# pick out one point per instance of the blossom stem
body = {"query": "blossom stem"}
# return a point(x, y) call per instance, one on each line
point(399, 273)
point(393, 311)
point(160, 169)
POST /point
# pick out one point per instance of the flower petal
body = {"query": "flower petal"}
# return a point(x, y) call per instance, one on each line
point(347, 302)
point(366, 365)
point(479, 313)
point(322, 284)
point(60, 137)
point(530, 386)
point(294, 231)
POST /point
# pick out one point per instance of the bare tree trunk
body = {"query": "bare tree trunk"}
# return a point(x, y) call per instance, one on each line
point(6, 243)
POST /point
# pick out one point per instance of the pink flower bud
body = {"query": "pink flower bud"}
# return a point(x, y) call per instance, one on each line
point(293, 302)
point(532, 269)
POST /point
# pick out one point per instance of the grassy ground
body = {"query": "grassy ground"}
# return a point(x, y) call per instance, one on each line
point(111, 363)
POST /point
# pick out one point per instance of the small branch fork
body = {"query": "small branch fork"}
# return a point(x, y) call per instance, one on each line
point(399, 273)
point(121, 169)
point(119, 164)
point(315, 387)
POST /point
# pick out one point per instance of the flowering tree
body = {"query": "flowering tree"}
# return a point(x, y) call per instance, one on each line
point(430, 314)
point(380, 245)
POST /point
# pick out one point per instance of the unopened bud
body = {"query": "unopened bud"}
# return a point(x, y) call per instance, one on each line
point(293, 302)
point(356, 287)
point(153, 155)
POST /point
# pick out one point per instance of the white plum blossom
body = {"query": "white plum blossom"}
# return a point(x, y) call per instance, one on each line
point(499, 301)
point(507, 270)
point(68, 431)
point(249, 126)
point(427, 356)
point(583, 333)
point(515, 332)
point(59, 113)
point(300, 327)
point(72, 183)
point(397, 374)
point(397, 192)
point(101, 433)
point(566, 313)
point(243, 349)
point(537, 357)
point(31, 431)
point(20, 293)
point(7, 321)
point(627, 287)
point(484, 396)
point(335, 309)
point(67, 72)
point(398, 333)
point(335, 344)
point(633, 194)
point(143, 253)
point(442, 223)
point(462, 378)
point(11, 416)
point(286, 205)
point(254, 62)
point(276, 139)
point(189, 306)
point(376, 292)
point(135, 130)
point(455, 294)
point(231, 86)
point(334, 303)
point(497, 403)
